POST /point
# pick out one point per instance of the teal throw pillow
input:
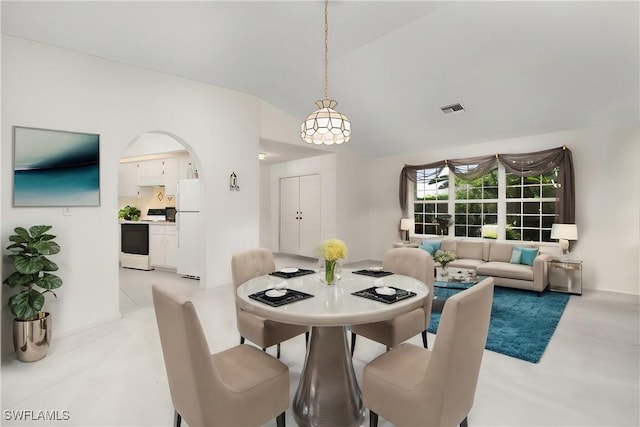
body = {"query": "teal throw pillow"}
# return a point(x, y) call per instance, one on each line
point(427, 247)
point(528, 255)
point(434, 243)
point(431, 246)
point(516, 255)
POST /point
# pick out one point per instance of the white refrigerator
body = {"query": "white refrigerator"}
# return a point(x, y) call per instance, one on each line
point(189, 227)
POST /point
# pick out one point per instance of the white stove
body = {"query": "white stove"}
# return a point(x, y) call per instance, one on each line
point(134, 245)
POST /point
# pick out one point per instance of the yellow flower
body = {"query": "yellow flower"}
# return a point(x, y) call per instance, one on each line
point(333, 249)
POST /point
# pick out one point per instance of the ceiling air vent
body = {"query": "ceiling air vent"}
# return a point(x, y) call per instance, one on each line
point(453, 108)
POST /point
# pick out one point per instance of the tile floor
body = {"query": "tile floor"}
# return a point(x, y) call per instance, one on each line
point(113, 375)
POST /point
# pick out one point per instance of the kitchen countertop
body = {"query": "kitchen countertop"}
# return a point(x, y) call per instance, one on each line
point(146, 221)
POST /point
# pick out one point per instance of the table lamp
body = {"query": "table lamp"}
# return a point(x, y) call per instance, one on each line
point(564, 233)
point(406, 224)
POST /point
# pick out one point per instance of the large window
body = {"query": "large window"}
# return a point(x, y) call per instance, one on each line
point(530, 207)
point(431, 201)
point(496, 205)
point(476, 206)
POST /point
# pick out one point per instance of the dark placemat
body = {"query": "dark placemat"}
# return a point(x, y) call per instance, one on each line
point(291, 296)
point(373, 273)
point(300, 272)
point(370, 293)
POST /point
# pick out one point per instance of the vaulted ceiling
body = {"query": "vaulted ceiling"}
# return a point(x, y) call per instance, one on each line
point(518, 68)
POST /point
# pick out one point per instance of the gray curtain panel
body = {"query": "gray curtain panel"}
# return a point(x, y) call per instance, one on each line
point(522, 164)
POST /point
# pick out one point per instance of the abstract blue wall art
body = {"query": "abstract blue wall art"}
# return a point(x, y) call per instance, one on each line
point(55, 168)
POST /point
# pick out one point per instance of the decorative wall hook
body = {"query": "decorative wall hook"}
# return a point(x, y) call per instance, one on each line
point(233, 182)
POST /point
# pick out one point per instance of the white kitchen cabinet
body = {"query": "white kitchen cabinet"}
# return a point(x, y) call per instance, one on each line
point(300, 214)
point(163, 245)
point(151, 172)
point(171, 246)
point(136, 177)
point(128, 180)
point(156, 245)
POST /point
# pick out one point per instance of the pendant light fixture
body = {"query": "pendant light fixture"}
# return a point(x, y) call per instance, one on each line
point(325, 125)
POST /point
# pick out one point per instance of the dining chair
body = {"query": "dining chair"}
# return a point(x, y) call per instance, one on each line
point(210, 390)
point(246, 265)
point(412, 262)
point(413, 386)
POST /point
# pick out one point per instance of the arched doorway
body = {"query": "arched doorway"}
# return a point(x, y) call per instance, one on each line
point(150, 167)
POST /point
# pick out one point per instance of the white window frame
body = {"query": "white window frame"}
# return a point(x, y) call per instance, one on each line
point(413, 201)
point(501, 211)
point(541, 229)
point(476, 201)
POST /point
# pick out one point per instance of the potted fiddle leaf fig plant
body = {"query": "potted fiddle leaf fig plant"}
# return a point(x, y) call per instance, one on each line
point(33, 279)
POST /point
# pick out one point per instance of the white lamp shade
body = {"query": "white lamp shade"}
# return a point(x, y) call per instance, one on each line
point(406, 224)
point(564, 231)
point(325, 125)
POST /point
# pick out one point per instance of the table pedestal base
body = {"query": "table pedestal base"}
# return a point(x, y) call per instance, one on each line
point(328, 393)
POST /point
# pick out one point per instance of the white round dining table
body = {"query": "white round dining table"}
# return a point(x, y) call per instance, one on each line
point(328, 394)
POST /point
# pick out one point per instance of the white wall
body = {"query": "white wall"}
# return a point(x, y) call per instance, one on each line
point(325, 166)
point(53, 88)
point(607, 173)
point(152, 143)
point(276, 125)
point(265, 206)
point(344, 200)
point(353, 203)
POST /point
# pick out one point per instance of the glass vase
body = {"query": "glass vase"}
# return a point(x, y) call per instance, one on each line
point(444, 273)
point(330, 271)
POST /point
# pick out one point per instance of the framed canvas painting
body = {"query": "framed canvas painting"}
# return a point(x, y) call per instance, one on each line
point(55, 168)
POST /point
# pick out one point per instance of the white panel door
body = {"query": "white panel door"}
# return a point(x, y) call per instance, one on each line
point(289, 215)
point(309, 214)
point(300, 214)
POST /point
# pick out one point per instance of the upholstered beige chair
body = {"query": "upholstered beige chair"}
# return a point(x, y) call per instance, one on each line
point(412, 386)
point(246, 265)
point(241, 386)
point(412, 262)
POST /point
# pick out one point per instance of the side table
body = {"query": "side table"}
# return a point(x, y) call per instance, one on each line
point(565, 275)
point(405, 245)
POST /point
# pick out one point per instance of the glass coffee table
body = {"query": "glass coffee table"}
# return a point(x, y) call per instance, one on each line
point(457, 279)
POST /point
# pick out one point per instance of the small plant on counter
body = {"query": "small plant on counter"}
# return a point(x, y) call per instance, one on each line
point(29, 250)
point(130, 213)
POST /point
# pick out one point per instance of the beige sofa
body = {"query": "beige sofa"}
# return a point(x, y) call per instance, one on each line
point(493, 258)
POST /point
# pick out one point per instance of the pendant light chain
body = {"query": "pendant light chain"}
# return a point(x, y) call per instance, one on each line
point(326, 125)
point(326, 49)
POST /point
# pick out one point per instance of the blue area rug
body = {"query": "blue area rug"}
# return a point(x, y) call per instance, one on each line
point(521, 322)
